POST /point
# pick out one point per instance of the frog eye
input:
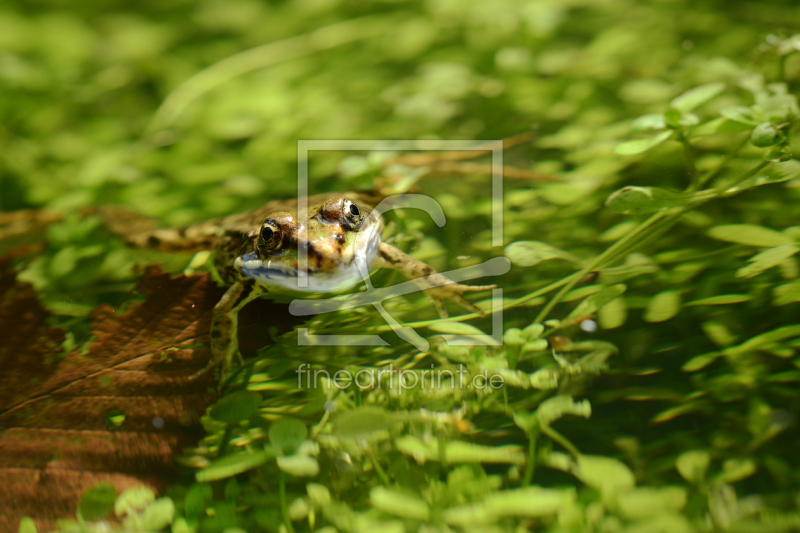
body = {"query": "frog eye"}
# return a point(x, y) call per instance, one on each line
point(269, 237)
point(351, 215)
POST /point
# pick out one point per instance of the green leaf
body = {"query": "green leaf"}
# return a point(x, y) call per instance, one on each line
point(459, 452)
point(760, 341)
point(399, 504)
point(533, 332)
point(644, 502)
point(725, 299)
point(718, 333)
point(530, 502)
point(718, 126)
point(363, 421)
point(642, 200)
point(26, 525)
point(97, 502)
point(663, 306)
point(652, 122)
point(775, 173)
point(234, 464)
point(235, 407)
point(157, 516)
point(319, 495)
point(734, 470)
point(613, 314)
point(749, 234)
point(286, 434)
point(787, 293)
point(699, 362)
point(764, 135)
point(590, 305)
point(741, 114)
point(605, 474)
point(692, 465)
point(529, 253)
point(767, 259)
point(133, 500)
point(638, 146)
point(697, 96)
point(194, 504)
point(299, 465)
point(554, 408)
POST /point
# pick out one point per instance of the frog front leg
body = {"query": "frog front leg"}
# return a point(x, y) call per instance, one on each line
point(224, 326)
point(436, 286)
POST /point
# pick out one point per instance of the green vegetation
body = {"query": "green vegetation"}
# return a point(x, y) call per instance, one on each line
point(671, 126)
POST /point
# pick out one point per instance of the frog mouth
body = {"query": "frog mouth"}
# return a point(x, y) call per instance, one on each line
point(342, 275)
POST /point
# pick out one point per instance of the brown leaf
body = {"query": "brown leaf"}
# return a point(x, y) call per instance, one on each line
point(55, 440)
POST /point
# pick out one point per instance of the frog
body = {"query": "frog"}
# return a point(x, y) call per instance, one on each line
point(267, 251)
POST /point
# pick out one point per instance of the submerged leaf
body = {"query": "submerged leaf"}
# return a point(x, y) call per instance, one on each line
point(554, 408)
point(605, 474)
point(286, 434)
point(399, 504)
point(787, 293)
point(235, 407)
point(156, 516)
point(299, 465)
point(26, 525)
point(767, 259)
point(530, 253)
point(590, 305)
point(363, 421)
point(613, 314)
point(652, 122)
point(234, 464)
point(459, 452)
point(638, 146)
point(761, 341)
point(692, 465)
point(663, 306)
point(97, 502)
point(644, 502)
point(526, 502)
point(643, 200)
point(133, 500)
point(697, 96)
point(749, 234)
point(723, 299)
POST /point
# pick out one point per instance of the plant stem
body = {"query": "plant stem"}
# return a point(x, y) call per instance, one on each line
point(559, 438)
point(654, 226)
point(598, 261)
point(284, 506)
point(530, 467)
point(687, 156)
point(730, 155)
point(782, 68)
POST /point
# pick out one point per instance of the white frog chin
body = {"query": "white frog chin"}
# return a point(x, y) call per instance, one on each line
point(273, 274)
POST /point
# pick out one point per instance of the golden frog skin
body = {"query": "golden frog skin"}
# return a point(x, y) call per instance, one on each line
point(264, 250)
